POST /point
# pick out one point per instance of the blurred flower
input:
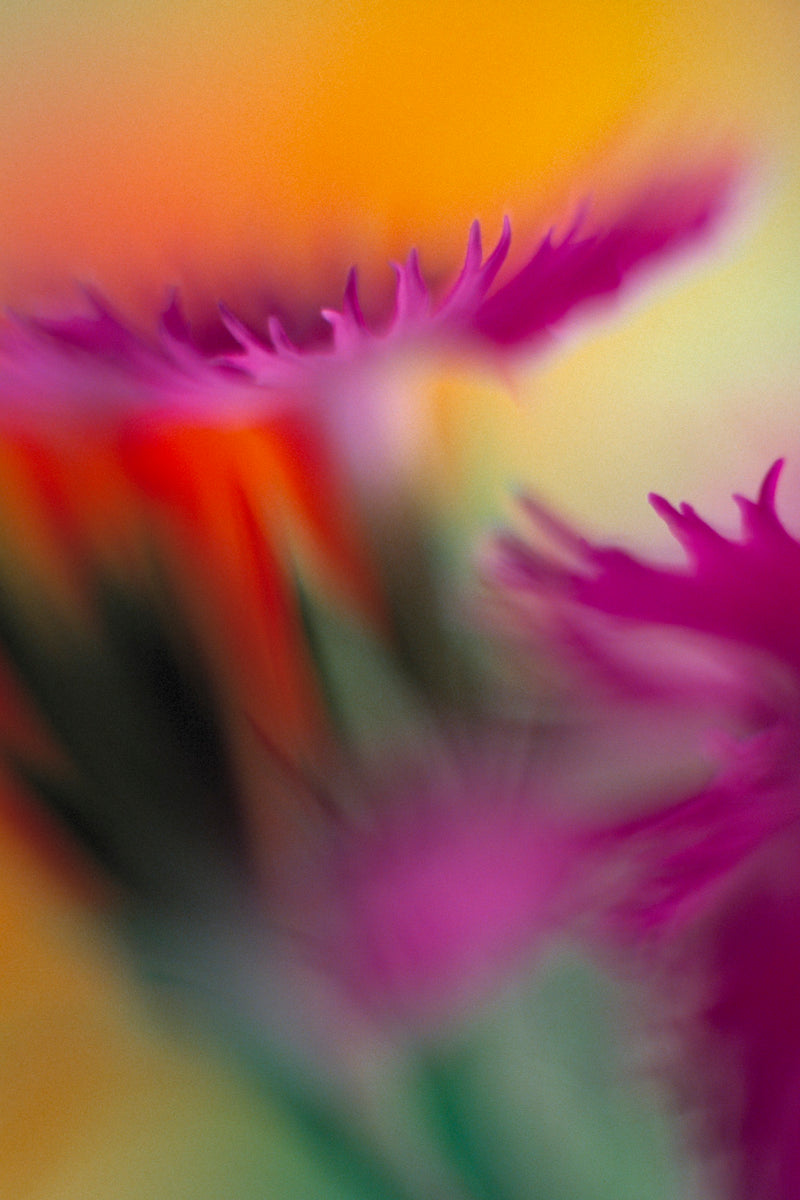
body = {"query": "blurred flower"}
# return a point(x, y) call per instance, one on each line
point(708, 883)
point(440, 886)
point(95, 369)
point(738, 595)
point(736, 590)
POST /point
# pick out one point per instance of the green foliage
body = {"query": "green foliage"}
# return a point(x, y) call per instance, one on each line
point(529, 1097)
point(146, 788)
point(532, 1098)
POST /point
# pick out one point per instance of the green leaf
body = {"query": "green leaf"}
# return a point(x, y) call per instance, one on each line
point(147, 788)
point(531, 1100)
point(369, 701)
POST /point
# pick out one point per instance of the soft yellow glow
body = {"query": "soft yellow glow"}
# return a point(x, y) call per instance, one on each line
point(229, 147)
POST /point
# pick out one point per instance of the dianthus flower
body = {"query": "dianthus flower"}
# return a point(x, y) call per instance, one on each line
point(94, 368)
point(444, 884)
point(707, 883)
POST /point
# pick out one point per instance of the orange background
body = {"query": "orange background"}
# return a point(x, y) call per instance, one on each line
point(145, 143)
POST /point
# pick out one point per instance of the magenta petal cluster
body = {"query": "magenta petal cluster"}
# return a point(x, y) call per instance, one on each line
point(93, 370)
point(752, 1038)
point(743, 596)
point(708, 884)
point(744, 590)
point(93, 367)
point(449, 887)
point(563, 273)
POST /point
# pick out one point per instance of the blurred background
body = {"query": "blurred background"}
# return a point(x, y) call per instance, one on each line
point(251, 153)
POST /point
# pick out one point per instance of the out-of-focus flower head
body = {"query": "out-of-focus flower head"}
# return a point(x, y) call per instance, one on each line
point(93, 368)
point(735, 603)
point(448, 878)
point(709, 878)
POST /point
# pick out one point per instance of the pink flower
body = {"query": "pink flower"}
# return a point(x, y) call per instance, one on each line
point(430, 899)
point(95, 368)
point(709, 884)
point(740, 591)
point(742, 597)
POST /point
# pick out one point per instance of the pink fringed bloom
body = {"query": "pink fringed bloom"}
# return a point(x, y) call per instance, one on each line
point(448, 883)
point(737, 590)
point(94, 368)
point(742, 596)
point(710, 882)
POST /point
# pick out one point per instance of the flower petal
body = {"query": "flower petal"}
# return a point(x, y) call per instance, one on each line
point(745, 590)
point(93, 367)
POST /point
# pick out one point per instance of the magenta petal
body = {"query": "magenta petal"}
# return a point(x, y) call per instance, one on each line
point(753, 1028)
point(587, 265)
point(348, 325)
point(94, 367)
point(476, 276)
point(449, 888)
point(745, 590)
point(673, 865)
